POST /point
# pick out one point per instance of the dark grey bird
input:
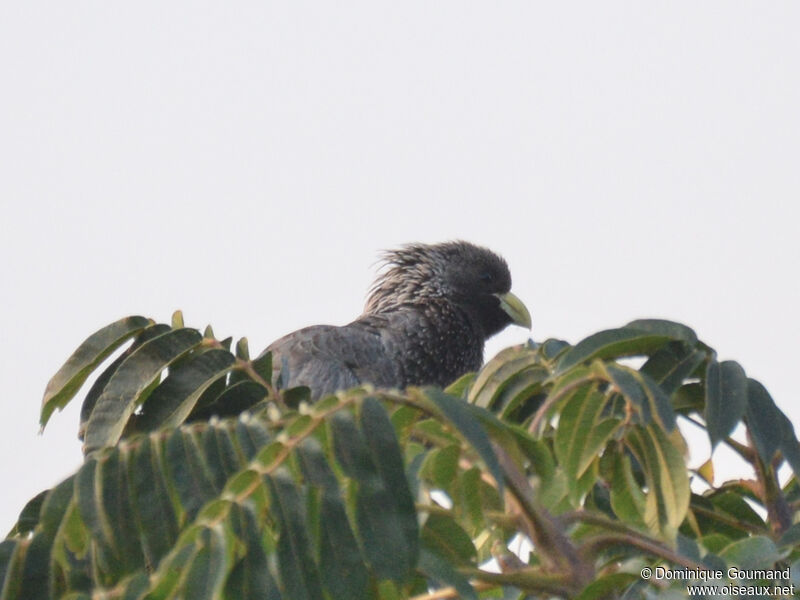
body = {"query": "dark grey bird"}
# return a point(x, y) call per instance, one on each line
point(425, 322)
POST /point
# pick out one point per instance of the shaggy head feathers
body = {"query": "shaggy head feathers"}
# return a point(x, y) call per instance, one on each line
point(458, 272)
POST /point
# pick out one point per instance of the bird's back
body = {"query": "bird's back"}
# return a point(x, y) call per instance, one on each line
point(327, 358)
point(392, 350)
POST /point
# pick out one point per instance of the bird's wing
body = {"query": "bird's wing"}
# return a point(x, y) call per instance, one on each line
point(327, 358)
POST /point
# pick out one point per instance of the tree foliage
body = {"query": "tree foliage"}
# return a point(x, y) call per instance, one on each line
point(204, 479)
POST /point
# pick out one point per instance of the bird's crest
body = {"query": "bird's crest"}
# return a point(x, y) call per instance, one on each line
point(409, 274)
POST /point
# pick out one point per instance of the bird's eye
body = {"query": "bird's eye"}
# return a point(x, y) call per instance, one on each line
point(486, 276)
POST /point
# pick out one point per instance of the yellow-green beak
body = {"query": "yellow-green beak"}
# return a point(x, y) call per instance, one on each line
point(515, 309)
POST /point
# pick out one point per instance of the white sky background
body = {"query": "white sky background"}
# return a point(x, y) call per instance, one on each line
point(246, 162)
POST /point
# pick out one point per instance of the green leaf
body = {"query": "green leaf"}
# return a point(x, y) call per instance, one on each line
point(251, 576)
point(726, 398)
point(172, 401)
point(232, 400)
point(671, 365)
point(342, 567)
point(498, 373)
point(118, 511)
point(56, 504)
point(10, 551)
point(581, 432)
point(220, 453)
point(523, 394)
point(627, 498)
point(153, 512)
point(670, 329)
point(552, 347)
point(188, 472)
point(445, 537)
point(242, 349)
point(666, 475)
point(612, 343)
point(135, 374)
point(388, 457)
point(205, 576)
point(94, 393)
point(460, 415)
point(789, 444)
point(763, 420)
point(36, 572)
point(440, 570)
point(460, 387)
point(262, 365)
point(441, 466)
point(29, 517)
point(298, 572)
point(755, 552)
point(645, 395)
point(608, 586)
point(70, 377)
point(381, 527)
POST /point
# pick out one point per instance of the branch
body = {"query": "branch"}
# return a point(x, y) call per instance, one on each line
point(624, 534)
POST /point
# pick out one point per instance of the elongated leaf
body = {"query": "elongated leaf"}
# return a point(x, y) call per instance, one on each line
point(188, 472)
point(7, 549)
point(94, 393)
point(172, 401)
point(612, 343)
point(56, 505)
point(582, 432)
point(670, 329)
point(29, 517)
point(650, 400)
point(460, 415)
point(251, 576)
point(659, 402)
point(251, 436)
point(726, 398)
point(298, 571)
point(36, 572)
point(262, 365)
point(629, 386)
point(671, 365)
point(627, 498)
point(756, 552)
point(387, 456)
point(134, 375)
point(789, 444)
point(70, 377)
point(88, 494)
point(342, 567)
point(499, 372)
point(552, 347)
point(381, 528)
point(523, 395)
point(118, 512)
point(666, 476)
point(154, 515)
point(205, 576)
point(442, 571)
point(445, 537)
point(230, 401)
point(763, 420)
point(220, 454)
point(609, 586)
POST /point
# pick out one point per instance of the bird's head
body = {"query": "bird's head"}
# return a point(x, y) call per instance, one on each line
point(473, 278)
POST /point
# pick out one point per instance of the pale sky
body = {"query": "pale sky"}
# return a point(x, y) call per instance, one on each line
point(246, 162)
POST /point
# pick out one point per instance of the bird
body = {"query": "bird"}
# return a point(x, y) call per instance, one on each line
point(425, 322)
